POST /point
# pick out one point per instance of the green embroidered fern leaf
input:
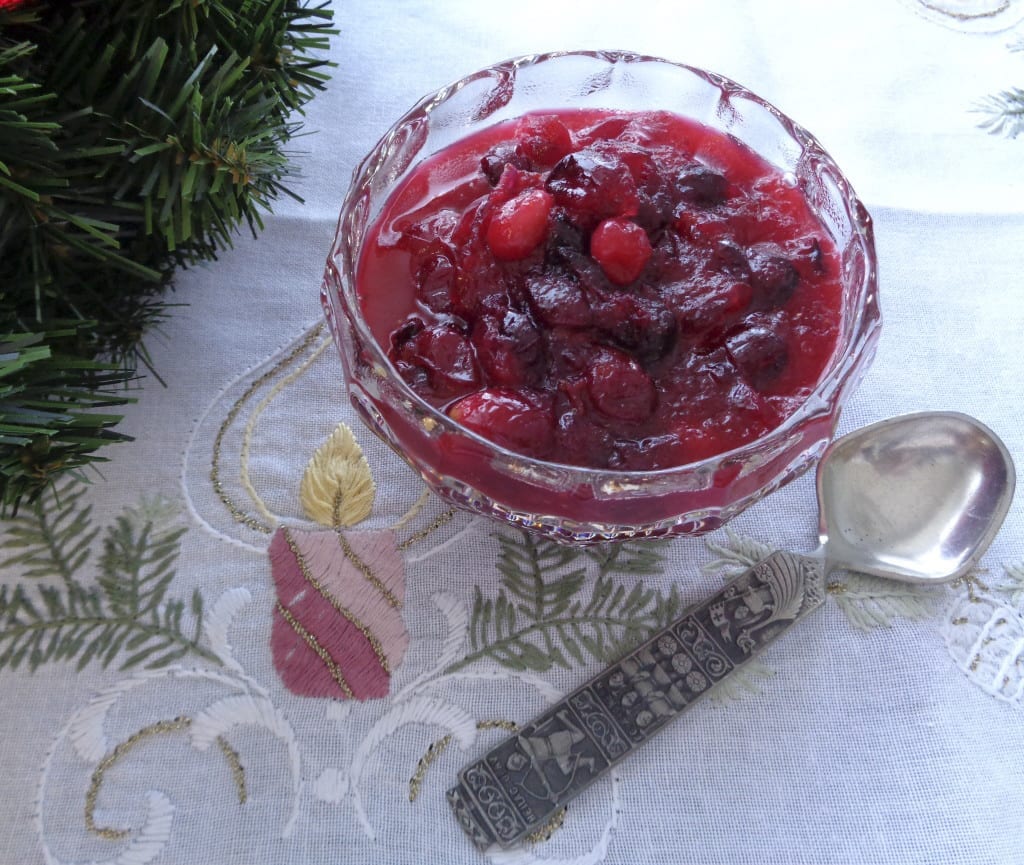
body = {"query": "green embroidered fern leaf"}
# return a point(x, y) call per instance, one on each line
point(53, 538)
point(542, 616)
point(872, 602)
point(643, 558)
point(525, 562)
point(127, 611)
point(736, 556)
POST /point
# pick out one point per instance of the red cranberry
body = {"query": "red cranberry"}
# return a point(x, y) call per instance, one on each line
point(557, 299)
point(593, 184)
point(759, 353)
point(620, 388)
point(702, 186)
point(444, 354)
point(509, 418)
point(509, 347)
point(622, 248)
point(543, 139)
point(774, 277)
point(520, 225)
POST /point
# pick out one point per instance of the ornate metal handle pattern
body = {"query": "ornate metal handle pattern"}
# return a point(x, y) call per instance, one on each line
point(515, 788)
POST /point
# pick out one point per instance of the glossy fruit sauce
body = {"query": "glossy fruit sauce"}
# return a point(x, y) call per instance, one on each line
point(629, 291)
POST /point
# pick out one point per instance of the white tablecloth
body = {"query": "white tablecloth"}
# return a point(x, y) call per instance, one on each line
point(888, 728)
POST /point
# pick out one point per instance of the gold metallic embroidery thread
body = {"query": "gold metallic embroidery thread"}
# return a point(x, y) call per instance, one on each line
point(182, 722)
point(320, 651)
point(368, 573)
point(237, 770)
point(239, 515)
point(439, 521)
point(436, 749)
point(334, 602)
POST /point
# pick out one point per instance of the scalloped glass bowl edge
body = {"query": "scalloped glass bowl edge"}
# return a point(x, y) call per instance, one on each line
point(569, 503)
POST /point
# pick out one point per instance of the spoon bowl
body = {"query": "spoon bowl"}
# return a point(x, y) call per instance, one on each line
point(917, 498)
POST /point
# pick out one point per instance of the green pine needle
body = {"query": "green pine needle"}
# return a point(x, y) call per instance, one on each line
point(50, 418)
point(136, 137)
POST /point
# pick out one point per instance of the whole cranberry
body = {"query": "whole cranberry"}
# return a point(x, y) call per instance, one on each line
point(622, 248)
point(509, 347)
point(435, 276)
point(593, 184)
point(702, 186)
point(443, 353)
point(557, 299)
point(619, 387)
point(510, 418)
point(774, 277)
point(758, 352)
point(641, 324)
point(519, 226)
point(543, 139)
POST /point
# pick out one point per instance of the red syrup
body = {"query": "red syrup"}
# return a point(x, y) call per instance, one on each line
point(611, 290)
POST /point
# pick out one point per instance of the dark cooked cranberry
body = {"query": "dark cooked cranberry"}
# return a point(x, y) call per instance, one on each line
point(655, 203)
point(404, 333)
point(434, 277)
point(571, 350)
point(589, 274)
point(673, 259)
point(509, 347)
point(512, 419)
point(493, 163)
point(702, 186)
point(445, 355)
point(619, 387)
point(774, 277)
point(808, 250)
point(729, 258)
point(759, 353)
point(705, 317)
point(557, 299)
point(643, 325)
point(580, 440)
point(622, 248)
point(565, 235)
point(520, 225)
point(543, 139)
point(423, 237)
point(650, 452)
point(593, 183)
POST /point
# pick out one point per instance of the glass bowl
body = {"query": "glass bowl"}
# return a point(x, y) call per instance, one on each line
point(586, 505)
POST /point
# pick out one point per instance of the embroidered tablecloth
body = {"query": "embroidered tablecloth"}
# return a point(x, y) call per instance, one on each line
point(194, 669)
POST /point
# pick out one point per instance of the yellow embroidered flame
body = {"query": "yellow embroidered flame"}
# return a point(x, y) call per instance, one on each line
point(337, 487)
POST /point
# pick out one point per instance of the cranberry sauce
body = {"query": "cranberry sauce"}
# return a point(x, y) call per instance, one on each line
point(615, 290)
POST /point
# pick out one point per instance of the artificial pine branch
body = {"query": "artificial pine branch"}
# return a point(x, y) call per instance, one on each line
point(136, 137)
point(50, 402)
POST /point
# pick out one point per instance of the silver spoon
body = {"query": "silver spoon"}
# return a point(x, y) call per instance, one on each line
point(917, 498)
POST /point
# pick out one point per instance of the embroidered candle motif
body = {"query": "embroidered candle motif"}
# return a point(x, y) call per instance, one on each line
point(337, 630)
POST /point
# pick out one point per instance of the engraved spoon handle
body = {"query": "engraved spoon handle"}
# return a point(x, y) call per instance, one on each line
point(516, 788)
